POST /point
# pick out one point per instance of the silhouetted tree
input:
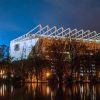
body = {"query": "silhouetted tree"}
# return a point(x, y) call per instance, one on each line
point(58, 54)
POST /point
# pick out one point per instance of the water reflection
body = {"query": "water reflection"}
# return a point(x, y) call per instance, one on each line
point(43, 91)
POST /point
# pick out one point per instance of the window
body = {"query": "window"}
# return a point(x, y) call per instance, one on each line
point(16, 48)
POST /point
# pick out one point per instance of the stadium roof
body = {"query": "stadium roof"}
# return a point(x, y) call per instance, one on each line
point(55, 32)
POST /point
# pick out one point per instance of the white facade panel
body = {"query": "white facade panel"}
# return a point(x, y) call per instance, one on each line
point(20, 49)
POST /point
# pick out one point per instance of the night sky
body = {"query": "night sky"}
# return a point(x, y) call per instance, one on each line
point(17, 17)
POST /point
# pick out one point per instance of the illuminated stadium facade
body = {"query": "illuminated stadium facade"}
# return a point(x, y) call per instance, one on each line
point(21, 47)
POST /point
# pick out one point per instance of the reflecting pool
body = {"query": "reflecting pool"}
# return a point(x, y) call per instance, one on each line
point(43, 91)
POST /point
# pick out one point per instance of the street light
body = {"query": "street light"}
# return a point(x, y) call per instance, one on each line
point(48, 74)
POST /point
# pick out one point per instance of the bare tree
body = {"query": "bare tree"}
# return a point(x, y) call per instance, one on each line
point(57, 52)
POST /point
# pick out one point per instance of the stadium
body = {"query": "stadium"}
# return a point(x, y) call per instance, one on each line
point(21, 47)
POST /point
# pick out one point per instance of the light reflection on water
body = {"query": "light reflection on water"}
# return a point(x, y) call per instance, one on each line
point(43, 91)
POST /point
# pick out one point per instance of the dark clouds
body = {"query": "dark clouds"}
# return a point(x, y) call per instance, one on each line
point(88, 3)
point(19, 16)
point(79, 13)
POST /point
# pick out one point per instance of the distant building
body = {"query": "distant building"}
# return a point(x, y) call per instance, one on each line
point(21, 47)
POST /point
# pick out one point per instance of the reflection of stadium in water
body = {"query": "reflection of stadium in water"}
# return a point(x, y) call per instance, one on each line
point(43, 91)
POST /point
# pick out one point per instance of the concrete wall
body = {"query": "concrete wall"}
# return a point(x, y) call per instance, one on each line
point(25, 47)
